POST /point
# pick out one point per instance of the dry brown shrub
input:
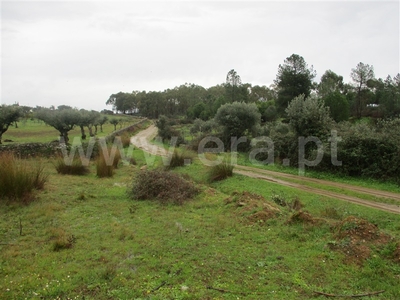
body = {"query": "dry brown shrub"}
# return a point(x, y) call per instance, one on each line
point(164, 186)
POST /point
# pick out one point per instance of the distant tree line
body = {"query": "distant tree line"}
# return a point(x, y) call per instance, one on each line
point(364, 96)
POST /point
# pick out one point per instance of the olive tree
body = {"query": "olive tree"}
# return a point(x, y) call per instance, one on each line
point(309, 116)
point(9, 114)
point(63, 120)
point(237, 119)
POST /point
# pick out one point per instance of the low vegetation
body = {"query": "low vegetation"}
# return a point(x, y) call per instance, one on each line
point(163, 186)
point(220, 171)
point(87, 238)
point(73, 166)
point(19, 179)
point(179, 158)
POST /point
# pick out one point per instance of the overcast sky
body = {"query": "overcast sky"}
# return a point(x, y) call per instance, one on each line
point(79, 53)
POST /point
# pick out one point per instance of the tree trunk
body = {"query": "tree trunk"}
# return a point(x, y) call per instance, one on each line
point(91, 130)
point(64, 137)
point(83, 133)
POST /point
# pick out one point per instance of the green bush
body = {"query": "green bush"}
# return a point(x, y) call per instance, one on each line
point(220, 172)
point(163, 186)
point(18, 178)
point(370, 157)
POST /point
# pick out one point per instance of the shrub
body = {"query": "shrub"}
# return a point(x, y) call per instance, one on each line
point(18, 178)
point(371, 157)
point(220, 171)
point(309, 116)
point(76, 167)
point(237, 118)
point(163, 186)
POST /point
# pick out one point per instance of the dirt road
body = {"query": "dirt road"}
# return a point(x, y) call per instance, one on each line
point(142, 141)
point(143, 138)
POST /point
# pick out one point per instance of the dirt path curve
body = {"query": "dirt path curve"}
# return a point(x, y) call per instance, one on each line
point(143, 138)
point(142, 141)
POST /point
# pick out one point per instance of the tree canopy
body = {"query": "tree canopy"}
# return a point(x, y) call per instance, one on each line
point(9, 114)
point(237, 118)
point(294, 78)
point(63, 120)
point(309, 116)
point(362, 75)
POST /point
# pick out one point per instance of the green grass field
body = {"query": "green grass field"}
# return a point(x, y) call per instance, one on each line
point(84, 237)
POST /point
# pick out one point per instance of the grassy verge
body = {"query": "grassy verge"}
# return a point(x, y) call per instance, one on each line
point(84, 237)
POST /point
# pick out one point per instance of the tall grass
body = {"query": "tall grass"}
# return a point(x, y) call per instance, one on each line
point(178, 159)
point(18, 179)
point(76, 167)
point(220, 171)
point(104, 166)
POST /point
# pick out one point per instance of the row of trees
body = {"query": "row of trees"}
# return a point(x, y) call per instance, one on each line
point(365, 95)
point(63, 119)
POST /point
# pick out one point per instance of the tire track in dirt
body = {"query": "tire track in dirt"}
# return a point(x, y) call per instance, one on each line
point(377, 205)
point(142, 141)
point(362, 190)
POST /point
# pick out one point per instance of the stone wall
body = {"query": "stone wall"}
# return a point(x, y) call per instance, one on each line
point(27, 150)
point(130, 128)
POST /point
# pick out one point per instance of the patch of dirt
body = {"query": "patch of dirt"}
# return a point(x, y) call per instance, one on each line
point(356, 237)
point(360, 230)
point(304, 217)
point(396, 254)
point(255, 209)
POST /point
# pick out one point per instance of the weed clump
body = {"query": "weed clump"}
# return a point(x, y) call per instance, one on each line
point(74, 167)
point(107, 163)
point(178, 159)
point(163, 186)
point(61, 240)
point(18, 178)
point(332, 213)
point(303, 217)
point(220, 172)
